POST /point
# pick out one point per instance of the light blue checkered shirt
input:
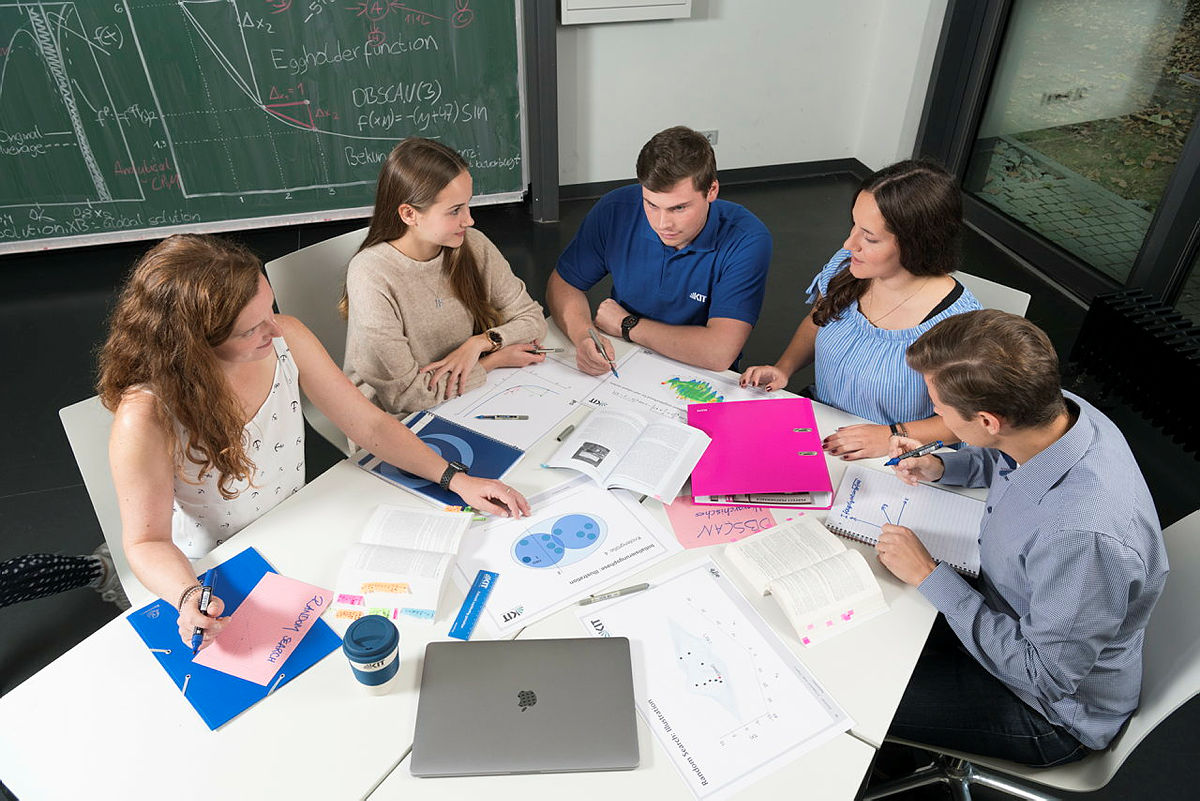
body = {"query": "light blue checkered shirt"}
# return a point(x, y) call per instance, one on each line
point(1072, 564)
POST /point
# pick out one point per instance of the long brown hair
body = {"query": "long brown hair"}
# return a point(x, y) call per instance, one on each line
point(414, 173)
point(922, 207)
point(183, 299)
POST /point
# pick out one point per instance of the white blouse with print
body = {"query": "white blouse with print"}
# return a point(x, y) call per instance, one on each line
point(274, 438)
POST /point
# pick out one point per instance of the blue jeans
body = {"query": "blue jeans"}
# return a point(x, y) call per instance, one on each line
point(952, 702)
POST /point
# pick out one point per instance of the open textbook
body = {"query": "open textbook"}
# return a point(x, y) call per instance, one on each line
point(822, 586)
point(621, 449)
point(399, 567)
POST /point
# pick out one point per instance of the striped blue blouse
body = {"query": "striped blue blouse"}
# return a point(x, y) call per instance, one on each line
point(861, 369)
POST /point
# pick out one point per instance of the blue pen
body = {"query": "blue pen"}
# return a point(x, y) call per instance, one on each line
point(921, 451)
point(210, 578)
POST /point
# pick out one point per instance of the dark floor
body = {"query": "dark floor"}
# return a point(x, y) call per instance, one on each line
point(53, 309)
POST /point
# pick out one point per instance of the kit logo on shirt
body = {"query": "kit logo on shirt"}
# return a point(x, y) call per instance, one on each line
point(696, 296)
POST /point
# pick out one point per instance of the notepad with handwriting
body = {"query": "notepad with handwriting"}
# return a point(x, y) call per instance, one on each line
point(946, 523)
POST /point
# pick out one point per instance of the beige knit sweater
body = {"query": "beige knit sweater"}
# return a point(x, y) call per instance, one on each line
point(404, 315)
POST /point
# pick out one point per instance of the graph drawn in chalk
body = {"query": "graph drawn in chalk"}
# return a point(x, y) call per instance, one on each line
point(50, 53)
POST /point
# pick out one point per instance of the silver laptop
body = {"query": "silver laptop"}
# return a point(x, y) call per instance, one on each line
point(525, 706)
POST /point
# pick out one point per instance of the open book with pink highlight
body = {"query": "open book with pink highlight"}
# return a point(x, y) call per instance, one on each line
point(823, 587)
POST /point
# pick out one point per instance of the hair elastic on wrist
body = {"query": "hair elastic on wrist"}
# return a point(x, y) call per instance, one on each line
point(188, 593)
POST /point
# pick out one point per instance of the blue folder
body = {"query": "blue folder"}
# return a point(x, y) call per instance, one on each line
point(484, 457)
point(217, 696)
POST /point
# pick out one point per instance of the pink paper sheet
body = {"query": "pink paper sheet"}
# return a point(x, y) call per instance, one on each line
point(266, 628)
point(697, 526)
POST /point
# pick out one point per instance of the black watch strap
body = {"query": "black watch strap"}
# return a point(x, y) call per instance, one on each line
point(627, 325)
point(452, 469)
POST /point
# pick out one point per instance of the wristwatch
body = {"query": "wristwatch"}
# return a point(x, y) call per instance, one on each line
point(495, 338)
point(627, 325)
point(452, 469)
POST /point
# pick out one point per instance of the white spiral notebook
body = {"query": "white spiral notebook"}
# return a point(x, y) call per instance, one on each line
point(946, 523)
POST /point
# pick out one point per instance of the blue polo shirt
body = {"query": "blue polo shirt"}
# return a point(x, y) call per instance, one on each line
point(720, 273)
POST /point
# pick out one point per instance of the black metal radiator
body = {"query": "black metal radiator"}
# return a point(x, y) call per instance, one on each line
point(1148, 354)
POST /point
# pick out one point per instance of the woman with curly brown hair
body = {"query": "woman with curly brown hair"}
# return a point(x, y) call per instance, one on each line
point(204, 383)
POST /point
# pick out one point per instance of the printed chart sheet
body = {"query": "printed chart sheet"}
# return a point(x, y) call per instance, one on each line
point(726, 699)
point(580, 540)
point(654, 384)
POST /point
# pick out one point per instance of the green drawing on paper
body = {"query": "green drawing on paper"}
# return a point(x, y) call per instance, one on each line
point(694, 390)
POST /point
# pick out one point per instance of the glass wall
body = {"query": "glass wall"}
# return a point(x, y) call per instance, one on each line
point(1085, 120)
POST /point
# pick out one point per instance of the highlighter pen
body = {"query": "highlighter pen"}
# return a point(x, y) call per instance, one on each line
point(921, 451)
point(501, 417)
point(611, 364)
point(604, 596)
point(206, 592)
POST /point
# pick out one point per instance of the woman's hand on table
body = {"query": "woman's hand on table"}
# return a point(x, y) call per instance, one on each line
point(456, 366)
point(859, 441)
point(520, 355)
point(489, 495)
point(764, 376)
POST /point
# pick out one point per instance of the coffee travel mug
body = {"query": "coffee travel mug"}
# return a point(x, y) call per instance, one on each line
point(372, 644)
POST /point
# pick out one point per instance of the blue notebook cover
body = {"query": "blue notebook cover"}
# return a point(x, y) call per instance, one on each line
point(217, 696)
point(484, 457)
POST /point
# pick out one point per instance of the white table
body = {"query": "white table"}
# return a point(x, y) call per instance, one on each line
point(831, 773)
point(104, 720)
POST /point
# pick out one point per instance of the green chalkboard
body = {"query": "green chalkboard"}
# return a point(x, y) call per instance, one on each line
point(132, 120)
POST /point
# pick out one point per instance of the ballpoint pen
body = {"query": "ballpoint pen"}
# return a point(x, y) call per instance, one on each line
point(501, 417)
point(611, 364)
point(546, 350)
point(206, 591)
point(604, 596)
point(915, 452)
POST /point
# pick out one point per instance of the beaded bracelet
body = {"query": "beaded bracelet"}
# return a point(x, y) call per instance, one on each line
point(188, 593)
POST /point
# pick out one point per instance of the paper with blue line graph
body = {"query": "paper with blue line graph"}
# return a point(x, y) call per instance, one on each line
point(946, 523)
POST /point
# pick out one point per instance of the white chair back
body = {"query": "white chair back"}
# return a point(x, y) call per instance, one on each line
point(993, 295)
point(1171, 654)
point(307, 285)
point(88, 425)
point(1170, 669)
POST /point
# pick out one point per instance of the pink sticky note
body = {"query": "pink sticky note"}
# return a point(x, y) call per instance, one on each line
point(696, 526)
point(266, 628)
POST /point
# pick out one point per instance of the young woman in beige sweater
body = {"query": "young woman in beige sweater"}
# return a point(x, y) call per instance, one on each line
point(431, 304)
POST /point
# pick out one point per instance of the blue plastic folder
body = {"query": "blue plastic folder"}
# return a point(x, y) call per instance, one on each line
point(217, 696)
point(484, 457)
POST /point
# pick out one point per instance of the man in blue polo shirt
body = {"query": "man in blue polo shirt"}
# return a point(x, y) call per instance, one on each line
point(689, 271)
